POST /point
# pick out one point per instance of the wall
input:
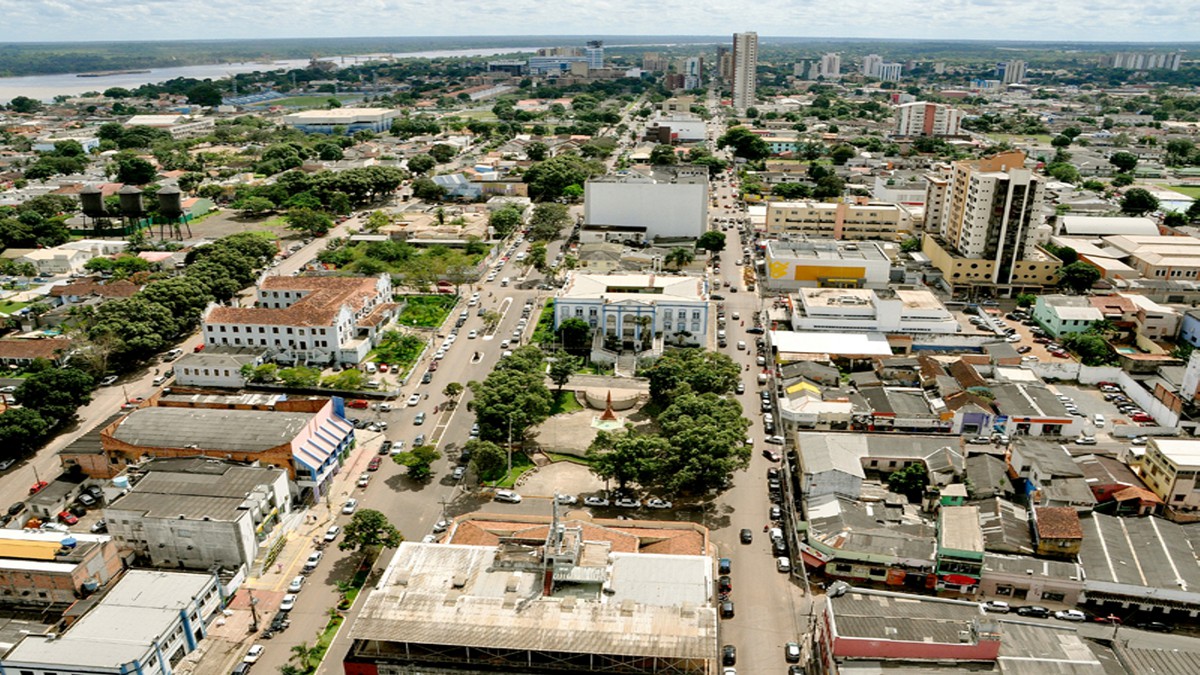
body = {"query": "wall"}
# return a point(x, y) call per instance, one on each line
point(894, 649)
point(665, 209)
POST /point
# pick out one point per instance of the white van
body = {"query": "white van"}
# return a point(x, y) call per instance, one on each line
point(1099, 420)
point(371, 368)
point(504, 281)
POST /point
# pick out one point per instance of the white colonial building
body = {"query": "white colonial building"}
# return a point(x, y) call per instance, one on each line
point(308, 319)
point(631, 306)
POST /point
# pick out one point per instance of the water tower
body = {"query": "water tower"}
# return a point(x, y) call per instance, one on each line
point(170, 208)
point(132, 207)
point(91, 201)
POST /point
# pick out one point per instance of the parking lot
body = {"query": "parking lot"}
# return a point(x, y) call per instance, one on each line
point(1091, 401)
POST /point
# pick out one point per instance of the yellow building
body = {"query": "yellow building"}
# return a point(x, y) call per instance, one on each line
point(1170, 468)
point(872, 220)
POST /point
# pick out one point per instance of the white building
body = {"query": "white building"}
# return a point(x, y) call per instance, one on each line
point(1011, 72)
point(311, 319)
point(667, 202)
point(196, 513)
point(676, 306)
point(57, 260)
point(745, 67)
point(377, 120)
point(831, 66)
point(806, 263)
point(146, 624)
point(683, 127)
point(927, 119)
point(217, 367)
point(179, 126)
point(890, 72)
point(871, 64)
point(882, 310)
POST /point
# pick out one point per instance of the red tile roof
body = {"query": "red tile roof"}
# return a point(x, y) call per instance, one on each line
point(1058, 522)
point(325, 297)
point(27, 348)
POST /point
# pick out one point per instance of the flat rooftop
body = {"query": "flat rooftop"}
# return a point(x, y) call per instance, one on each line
point(209, 429)
point(901, 617)
point(446, 594)
point(826, 249)
point(960, 529)
point(635, 287)
point(1147, 552)
point(1181, 451)
point(216, 494)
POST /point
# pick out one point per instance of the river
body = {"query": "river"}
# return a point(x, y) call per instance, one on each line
point(46, 87)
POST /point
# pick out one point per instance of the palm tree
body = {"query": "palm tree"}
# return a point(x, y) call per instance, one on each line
point(679, 256)
point(681, 335)
point(303, 655)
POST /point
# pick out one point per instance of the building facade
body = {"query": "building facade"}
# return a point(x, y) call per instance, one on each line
point(636, 308)
point(669, 202)
point(1064, 314)
point(824, 263)
point(745, 70)
point(1170, 468)
point(873, 220)
point(38, 572)
point(883, 310)
point(377, 120)
point(927, 119)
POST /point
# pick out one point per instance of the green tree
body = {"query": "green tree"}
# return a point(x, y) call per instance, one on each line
point(1026, 300)
point(506, 220)
point(24, 104)
point(1093, 349)
point(22, 432)
point(702, 371)
point(712, 241)
point(745, 143)
point(791, 191)
point(911, 245)
point(349, 379)
point(304, 655)
point(679, 256)
point(575, 336)
point(488, 459)
point(442, 152)
point(548, 220)
point(1138, 201)
point(267, 372)
point(421, 164)
point(1122, 180)
point(128, 168)
point(368, 531)
point(452, 391)
point(706, 433)
point(205, 94)
point(663, 154)
point(840, 154)
point(427, 190)
point(308, 221)
point(510, 394)
point(547, 180)
point(55, 393)
point(300, 376)
point(418, 461)
point(627, 457)
point(252, 207)
point(1124, 161)
point(562, 367)
point(1078, 276)
point(909, 481)
point(536, 151)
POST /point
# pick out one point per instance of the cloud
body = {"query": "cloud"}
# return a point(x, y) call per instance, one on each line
point(1063, 20)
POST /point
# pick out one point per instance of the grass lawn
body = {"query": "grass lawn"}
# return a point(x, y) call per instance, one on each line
point(481, 115)
point(564, 402)
point(520, 464)
point(557, 457)
point(1192, 191)
point(308, 101)
point(543, 334)
point(1017, 138)
point(11, 307)
point(427, 311)
point(397, 350)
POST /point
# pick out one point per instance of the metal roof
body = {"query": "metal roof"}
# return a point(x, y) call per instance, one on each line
point(208, 429)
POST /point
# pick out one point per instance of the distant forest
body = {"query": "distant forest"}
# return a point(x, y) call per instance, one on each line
point(48, 58)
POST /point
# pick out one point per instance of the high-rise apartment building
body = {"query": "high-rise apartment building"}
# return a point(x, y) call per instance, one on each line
point(745, 70)
point(693, 72)
point(870, 65)
point(890, 72)
point(927, 119)
point(993, 217)
point(595, 54)
point(1143, 60)
point(831, 66)
point(1011, 72)
point(724, 64)
point(654, 62)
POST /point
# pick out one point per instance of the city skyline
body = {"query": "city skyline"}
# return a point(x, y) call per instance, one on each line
point(1071, 20)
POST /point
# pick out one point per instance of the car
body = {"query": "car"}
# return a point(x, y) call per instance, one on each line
point(566, 500)
point(997, 607)
point(1085, 440)
point(296, 585)
point(288, 602)
point(333, 532)
point(507, 497)
point(419, 440)
point(474, 430)
point(595, 501)
point(746, 535)
point(441, 526)
point(427, 377)
point(1034, 611)
point(67, 517)
point(349, 506)
point(397, 447)
point(16, 508)
point(253, 655)
point(108, 380)
point(314, 559)
point(774, 440)
point(782, 564)
point(628, 503)
point(458, 473)
point(363, 480)
point(1014, 338)
point(724, 566)
point(1070, 615)
point(373, 465)
point(658, 504)
point(100, 526)
point(791, 652)
point(724, 584)
point(419, 419)
point(1024, 349)
point(85, 499)
point(772, 455)
point(728, 655)
point(1138, 440)
point(413, 400)
point(980, 440)
point(1156, 626)
point(429, 539)
point(727, 609)
point(740, 388)
point(776, 512)
point(472, 335)
point(385, 447)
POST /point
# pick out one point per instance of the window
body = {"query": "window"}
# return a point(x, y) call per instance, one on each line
point(1004, 590)
point(1054, 597)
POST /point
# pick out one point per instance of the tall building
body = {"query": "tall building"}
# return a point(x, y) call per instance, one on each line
point(724, 63)
point(693, 72)
point(745, 69)
point(890, 72)
point(595, 54)
point(870, 65)
point(831, 66)
point(994, 213)
point(654, 62)
point(1143, 60)
point(927, 119)
point(1011, 72)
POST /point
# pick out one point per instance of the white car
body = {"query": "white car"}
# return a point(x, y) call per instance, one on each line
point(507, 496)
point(658, 504)
point(296, 585)
point(364, 480)
point(333, 532)
point(289, 601)
point(314, 559)
point(1070, 615)
point(472, 335)
point(997, 606)
point(254, 654)
point(349, 506)
point(414, 399)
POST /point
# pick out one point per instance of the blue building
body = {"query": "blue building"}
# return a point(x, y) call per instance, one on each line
point(348, 120)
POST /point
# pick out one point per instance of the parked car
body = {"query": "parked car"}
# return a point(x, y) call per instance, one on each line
point(566, 500)
point(419, 419)
point(724, 566)
point(458, 473)
point(314, 559)
point(1156, 626)
point(997, 607)
point(373, 465)
point(628, 503)
point(363, 480)
point(595, 501)
point(349, 506)
point(1070, 615)
point(728, 655)
point(507, 496)
point(782, 564)
point(1034, 611)
point(253, 655)
point(658, 504)
point(288, 602)
point(333, 532)
point(296, 585)
point(67, 517)
point(772, 455)
point(791, 652)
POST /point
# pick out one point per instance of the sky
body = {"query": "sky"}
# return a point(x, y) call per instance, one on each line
point(1050, 20)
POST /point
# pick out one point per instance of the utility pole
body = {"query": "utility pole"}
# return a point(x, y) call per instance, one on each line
point(509, 446)
point(253, 611)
